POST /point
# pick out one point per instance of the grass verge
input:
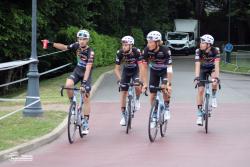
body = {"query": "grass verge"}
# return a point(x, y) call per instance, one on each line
point(17, 129)
point(232, 68)
point(50, 89)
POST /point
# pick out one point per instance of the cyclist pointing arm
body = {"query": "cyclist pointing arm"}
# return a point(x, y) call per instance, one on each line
point(82, 72)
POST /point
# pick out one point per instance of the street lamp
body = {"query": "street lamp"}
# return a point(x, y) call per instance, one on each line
point(229, 21)
point(34, 108)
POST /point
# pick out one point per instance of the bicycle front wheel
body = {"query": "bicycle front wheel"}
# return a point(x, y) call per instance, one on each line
point(72, 124)
point(153, 123)
point(128, 116)
point(206, 114)
point(163, 127)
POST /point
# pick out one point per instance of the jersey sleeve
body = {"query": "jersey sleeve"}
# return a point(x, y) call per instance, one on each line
point(91, 57)
point(137, 52)
point(170, 61)
point(118, 58)
point(143, 57)
point(197, 55)
point(217, 53)
point(73, 46)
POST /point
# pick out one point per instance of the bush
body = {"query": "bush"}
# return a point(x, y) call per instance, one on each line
point(104, 46)
point(139, 37)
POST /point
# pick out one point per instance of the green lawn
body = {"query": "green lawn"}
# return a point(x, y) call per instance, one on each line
point(17, 129)
point(50, 89)
point(233, 68)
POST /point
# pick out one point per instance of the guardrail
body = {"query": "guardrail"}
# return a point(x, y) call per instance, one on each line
point(19, 63)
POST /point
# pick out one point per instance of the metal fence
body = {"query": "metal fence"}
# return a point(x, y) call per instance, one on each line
point(240, 57)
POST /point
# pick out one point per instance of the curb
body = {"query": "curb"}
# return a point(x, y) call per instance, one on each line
point(48, 138)
point(236, 73)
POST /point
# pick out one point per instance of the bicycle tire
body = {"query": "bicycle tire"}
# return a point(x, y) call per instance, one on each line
point(80, 129)
point(152, 132)
point(206, 114)
point(163, 127)
point(71, 123)
point(129, 116)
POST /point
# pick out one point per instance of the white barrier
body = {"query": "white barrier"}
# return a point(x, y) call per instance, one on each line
point(9, 114)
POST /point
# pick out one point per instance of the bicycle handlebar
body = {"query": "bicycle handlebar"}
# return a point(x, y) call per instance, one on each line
point(130, 84)
point(63, 87)
point(156, 88)
point(133, 84)
point(208, 81)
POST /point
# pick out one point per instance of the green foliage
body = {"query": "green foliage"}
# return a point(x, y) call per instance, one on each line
point(104, 47)
point(139, 37)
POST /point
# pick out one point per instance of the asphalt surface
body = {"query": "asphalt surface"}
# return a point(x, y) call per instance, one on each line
point(186, 145)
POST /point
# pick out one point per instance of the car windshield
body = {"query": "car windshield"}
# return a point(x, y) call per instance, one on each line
point(177, 36)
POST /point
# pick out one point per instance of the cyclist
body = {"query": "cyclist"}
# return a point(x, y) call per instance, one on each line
point(130, 56)
point(160, 62)
point(82, 72)
point(207, 59)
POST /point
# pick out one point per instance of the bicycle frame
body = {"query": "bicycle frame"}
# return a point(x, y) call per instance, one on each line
point(161, 105)
point(131, 96)
point(78, 96)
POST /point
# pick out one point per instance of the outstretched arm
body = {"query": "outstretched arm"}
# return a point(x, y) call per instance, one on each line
point(60, 46)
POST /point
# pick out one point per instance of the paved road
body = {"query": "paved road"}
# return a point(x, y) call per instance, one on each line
point(186, 145)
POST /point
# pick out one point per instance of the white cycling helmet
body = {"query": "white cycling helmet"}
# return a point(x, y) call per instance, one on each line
point(128, 40)
point(154, 35)
point(83, 34)
point(207, 39)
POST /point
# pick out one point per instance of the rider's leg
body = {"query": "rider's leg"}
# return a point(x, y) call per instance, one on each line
point(123, 100)
point(152, 97)
point(69, 84)
point(137, 90)
point(214, 90)
point(200, 94)
point(73, 79)
point(87, 107)
point(199, 98)
point(124, 89)
point(214, 84)
point(154, 81)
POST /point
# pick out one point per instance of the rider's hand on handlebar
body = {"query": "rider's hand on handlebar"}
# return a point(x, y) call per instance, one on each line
point(144, 88)
point(196, 80)
point(216, 79)
point(169, 88)
point(83, 85)
point(118, 82)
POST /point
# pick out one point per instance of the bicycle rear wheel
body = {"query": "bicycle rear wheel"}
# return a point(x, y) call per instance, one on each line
point(206, 114)
point(72, 125)
point(152, 130)
point(128, 116)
